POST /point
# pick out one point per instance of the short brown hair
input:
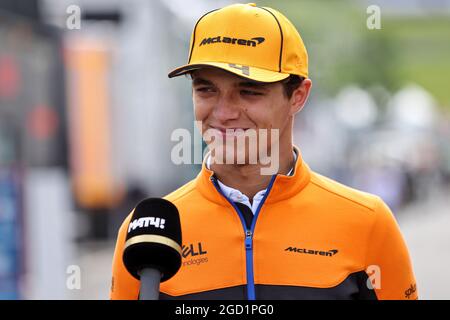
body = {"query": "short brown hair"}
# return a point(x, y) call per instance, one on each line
point(291, 83)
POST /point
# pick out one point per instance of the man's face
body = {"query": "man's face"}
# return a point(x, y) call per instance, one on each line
point(229, 107)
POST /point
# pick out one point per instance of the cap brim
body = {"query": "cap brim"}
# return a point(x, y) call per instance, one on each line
point(252, 73)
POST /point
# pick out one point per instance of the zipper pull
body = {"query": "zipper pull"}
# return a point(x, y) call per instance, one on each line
point(248, 239)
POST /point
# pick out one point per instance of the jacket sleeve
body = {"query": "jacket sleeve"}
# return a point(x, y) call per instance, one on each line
point(388, 262)
point(123, 285)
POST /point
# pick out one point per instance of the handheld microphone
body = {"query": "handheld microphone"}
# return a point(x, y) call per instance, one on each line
point(152, 252)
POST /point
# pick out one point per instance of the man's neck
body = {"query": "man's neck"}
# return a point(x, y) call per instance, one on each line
point(247, 178)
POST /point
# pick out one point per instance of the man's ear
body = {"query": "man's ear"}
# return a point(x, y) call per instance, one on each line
point(300, 95)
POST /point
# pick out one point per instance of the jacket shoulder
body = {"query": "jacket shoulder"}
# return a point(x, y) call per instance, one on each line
point(346, 193)
point(183, 191)
point(174, 196)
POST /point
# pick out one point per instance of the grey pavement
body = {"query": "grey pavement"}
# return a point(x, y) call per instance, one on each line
point(426, 228)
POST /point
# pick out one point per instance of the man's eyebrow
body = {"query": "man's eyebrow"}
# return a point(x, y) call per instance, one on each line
point(201, 81)
point(244, 84)
point(252, 84)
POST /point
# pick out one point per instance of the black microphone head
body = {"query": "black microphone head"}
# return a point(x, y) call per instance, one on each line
point(154, 238)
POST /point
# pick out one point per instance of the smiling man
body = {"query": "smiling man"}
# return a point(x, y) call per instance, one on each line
point(290, 234)
point(247, 125)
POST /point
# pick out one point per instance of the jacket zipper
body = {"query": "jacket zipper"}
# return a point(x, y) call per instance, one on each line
point(248, 236)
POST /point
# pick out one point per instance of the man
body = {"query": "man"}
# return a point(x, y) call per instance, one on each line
point(290, 234)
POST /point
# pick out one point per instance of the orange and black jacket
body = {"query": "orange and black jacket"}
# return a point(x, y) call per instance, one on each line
point(310, 238)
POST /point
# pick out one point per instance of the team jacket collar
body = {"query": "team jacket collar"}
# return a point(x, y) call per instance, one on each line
point(284, 187)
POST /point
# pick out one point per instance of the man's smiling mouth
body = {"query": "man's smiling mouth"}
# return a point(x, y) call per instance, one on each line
point(232, 131)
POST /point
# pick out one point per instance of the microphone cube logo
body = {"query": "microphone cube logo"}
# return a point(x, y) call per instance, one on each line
point(146, 222)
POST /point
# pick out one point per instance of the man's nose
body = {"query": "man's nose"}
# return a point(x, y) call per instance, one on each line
point(226, 108)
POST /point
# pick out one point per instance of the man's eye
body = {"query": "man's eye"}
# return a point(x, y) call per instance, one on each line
point(251, 93)
point(204, 89)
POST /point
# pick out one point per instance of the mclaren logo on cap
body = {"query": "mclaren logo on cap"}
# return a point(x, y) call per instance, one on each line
point(242, 42)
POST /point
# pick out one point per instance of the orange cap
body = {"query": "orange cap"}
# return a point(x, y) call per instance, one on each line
point(257, 43)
